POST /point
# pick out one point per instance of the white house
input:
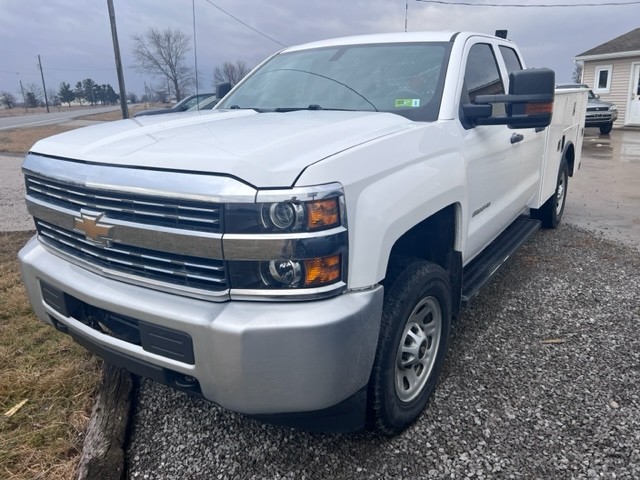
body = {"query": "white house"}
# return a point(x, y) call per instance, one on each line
point(612, 70)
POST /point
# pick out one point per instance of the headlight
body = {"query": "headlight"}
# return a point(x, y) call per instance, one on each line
point(613, 108)
point(291, 243)
point(288, 216)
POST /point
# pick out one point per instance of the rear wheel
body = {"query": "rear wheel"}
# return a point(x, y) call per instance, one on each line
point(412, 346)
point(550, 213)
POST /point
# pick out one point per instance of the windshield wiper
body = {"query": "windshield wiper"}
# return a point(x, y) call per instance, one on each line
point(238, 107)
point(313, 106)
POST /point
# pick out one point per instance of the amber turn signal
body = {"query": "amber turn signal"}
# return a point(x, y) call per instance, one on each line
point(322, 271)
point(323, 214)
point(538, 108)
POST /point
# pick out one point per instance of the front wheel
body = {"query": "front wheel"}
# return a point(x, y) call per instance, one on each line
point(606, 129)
point(412, 346)
point(550, 213)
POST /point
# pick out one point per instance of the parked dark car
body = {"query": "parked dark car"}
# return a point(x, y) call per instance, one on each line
point(182, 106)
point(206, 104)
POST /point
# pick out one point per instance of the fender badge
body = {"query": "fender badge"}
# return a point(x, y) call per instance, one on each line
point(94, 231)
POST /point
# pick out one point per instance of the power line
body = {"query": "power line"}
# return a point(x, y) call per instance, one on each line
point(245, 24)
point(532, 5)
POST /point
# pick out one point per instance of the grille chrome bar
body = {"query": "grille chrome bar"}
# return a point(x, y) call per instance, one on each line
point(149, 210)
point(179, 270)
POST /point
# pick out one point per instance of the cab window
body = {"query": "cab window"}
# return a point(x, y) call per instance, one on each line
point(482, 76)
point(511, 60)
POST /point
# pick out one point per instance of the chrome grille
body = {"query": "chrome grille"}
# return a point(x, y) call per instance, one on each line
point(180, 270)
point(144, 209)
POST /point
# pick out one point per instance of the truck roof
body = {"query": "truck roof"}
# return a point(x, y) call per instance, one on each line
point(403, 37)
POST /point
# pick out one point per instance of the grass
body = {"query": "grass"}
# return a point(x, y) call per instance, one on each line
point(43, 439)
point(58, 379)
point(20, 140)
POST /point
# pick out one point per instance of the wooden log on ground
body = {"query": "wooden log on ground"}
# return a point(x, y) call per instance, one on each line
point(103, 449)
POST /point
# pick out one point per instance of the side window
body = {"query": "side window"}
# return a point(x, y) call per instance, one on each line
point(482, 76)
point(603, 79)
point(511, 59)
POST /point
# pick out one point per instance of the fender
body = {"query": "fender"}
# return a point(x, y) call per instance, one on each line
point(391, 186)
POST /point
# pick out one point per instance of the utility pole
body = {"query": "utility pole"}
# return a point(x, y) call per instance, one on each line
point(24, 100)
point(44, 87)
point(195, 44)
point(406, 14)
point(116, 51)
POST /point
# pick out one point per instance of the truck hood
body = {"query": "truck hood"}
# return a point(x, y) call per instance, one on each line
point(262, 149)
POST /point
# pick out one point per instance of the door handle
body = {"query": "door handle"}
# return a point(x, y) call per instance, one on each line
point(517, 137)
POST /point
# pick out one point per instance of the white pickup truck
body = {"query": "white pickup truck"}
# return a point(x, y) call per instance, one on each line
point(298, 253)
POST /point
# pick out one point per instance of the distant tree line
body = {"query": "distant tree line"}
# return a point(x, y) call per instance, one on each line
point(89, 92)
point(86, 91)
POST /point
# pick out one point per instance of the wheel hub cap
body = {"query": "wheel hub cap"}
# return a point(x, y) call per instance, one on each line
point(418, 349)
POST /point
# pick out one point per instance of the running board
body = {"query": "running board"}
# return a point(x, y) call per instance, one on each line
point(484, 266)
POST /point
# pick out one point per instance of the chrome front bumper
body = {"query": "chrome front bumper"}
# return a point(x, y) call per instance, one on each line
point(250, 357)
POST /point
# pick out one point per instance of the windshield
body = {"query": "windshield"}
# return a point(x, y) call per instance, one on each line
point(402, 78)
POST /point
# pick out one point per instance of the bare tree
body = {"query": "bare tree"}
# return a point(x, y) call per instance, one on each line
point(577, 73)
point(33, 94)
point(163, 52)
point(230, 72)
point(7, 99)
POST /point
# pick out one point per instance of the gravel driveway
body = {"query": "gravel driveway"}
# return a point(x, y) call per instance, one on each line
point(541, 381)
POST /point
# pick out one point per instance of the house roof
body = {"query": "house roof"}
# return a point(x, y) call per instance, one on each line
point(629, 42)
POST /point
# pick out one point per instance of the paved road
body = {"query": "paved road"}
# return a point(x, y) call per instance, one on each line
point(35, 119)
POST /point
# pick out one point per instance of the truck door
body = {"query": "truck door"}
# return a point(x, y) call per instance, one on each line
point(492, 161)
point(529, 149)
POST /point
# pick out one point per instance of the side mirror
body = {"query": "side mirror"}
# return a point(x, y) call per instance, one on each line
point(222, 89)
point(529, 103)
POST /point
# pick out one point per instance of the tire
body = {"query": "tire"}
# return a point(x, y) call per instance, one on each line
point(550, 213)
point(606, 129)
point(412, 346)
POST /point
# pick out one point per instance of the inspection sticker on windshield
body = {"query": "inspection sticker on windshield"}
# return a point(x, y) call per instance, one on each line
point(407, 102)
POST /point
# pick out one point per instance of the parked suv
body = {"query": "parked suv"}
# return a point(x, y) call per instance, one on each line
point(600, 114)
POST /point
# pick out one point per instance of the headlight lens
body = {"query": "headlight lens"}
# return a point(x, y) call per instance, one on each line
point(286, 216)
point(291, 243)
point(290, 216)
point(613, 108)
point(286, 274)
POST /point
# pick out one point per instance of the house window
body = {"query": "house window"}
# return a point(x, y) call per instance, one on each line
point(602, 79)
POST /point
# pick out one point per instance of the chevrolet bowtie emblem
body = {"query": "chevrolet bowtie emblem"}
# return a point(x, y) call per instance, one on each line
point(93, 230)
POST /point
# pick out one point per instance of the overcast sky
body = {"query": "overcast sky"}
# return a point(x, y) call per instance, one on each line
point(73, 37)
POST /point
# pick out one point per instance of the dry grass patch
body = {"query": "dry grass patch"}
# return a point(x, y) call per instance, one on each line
point(43, 439)
point(20, 140)
point(117, 114)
